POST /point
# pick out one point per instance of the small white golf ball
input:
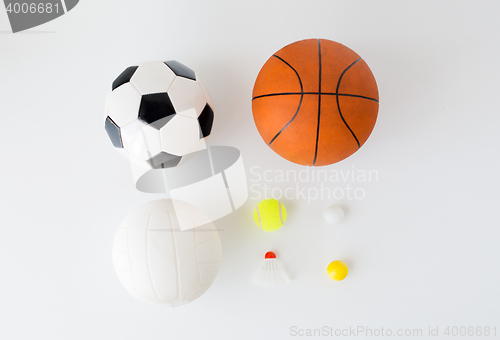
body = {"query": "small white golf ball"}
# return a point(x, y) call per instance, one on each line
point(334, 214)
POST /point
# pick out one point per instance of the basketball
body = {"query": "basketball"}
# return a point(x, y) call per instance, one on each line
point(315, 102)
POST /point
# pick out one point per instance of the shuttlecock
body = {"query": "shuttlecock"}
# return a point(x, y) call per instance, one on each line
point(271, 274)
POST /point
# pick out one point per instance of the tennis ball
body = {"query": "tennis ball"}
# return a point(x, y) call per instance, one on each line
point(337, 270)
point(269, 215)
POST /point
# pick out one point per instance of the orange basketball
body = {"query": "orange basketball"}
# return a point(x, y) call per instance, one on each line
point(315, 102)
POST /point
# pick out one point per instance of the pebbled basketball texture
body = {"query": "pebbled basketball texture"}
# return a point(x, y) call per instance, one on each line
point(315, 102)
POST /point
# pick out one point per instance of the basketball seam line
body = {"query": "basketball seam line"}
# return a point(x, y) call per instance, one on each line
point(300, 102)
point(319, 104)
point(338, 102)
point(315, 93)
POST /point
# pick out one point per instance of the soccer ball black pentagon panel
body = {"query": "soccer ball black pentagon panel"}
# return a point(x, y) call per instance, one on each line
point(158, 112)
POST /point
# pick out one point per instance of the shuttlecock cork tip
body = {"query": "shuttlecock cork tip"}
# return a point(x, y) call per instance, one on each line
point(270, 255)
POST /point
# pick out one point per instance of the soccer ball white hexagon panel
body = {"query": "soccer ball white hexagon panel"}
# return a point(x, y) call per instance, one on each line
point(180, 135)
point(186, 94)
point(124, 102)
point(158, 112)
point(142, 80)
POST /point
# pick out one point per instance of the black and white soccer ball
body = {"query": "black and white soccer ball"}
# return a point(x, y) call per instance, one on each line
point(157, 113)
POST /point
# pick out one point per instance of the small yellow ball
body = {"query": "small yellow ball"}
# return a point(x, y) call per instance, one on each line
point(337, 270)
point(269, 215)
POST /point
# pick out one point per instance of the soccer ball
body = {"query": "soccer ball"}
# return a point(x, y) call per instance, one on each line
point(157, 113)
point(156, 262)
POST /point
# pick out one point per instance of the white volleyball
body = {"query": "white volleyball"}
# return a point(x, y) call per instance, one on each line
point(157, 262)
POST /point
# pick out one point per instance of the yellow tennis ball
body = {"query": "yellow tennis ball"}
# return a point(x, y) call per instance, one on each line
point(269, 215)
point(337, 270)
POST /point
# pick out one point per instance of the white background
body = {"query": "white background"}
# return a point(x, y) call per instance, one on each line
point(422, 246)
